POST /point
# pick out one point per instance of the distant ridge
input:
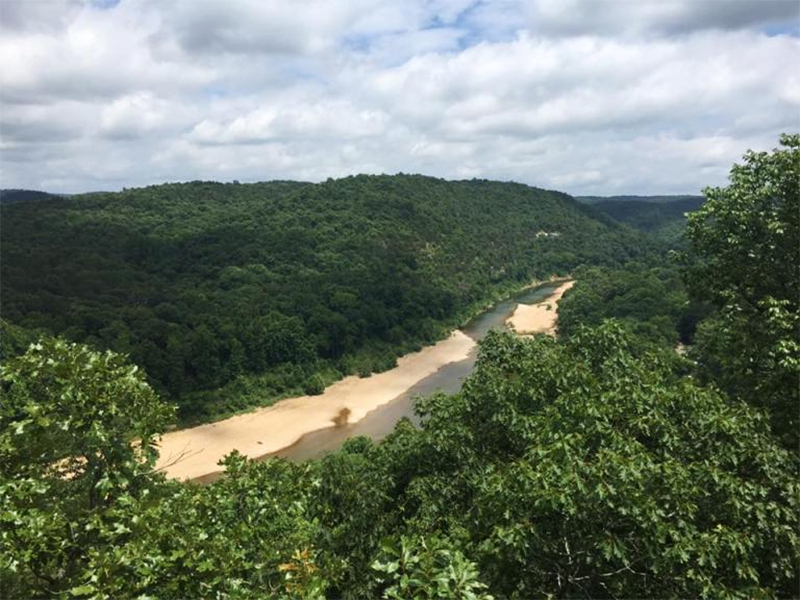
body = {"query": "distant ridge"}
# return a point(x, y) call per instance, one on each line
point(662, 216)
point(631, 198)
point(14, 196)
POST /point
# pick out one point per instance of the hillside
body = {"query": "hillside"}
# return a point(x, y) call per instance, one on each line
point(633, 199)
point(663, 216)
point(15, 196)
point(204, 284)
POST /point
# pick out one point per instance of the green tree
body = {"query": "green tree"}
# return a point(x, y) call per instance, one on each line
point(580, 468)
point(651, 301)
point(247, 535)
point(14, 340)
point(745, 261)
point(77, 435)
point(425, 569)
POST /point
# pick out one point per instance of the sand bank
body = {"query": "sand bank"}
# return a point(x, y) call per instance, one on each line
point(529, 319)
point(192, 453)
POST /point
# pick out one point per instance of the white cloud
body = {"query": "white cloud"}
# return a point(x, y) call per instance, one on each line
point(100, 54)
point(590, 96)
point(616, 17)
point(322, 120)
point(37, 16)
point(133, 115)
point(534, 87)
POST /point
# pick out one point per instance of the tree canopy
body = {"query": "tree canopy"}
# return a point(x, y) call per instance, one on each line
point(233, 295)
point(649, 300)
point(77, 433)
point(581, 468)
point(744, 260)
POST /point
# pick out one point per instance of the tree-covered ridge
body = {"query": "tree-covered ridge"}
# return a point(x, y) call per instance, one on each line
point(207, 284)
point(12, 196)
point(649, 216)
point(662, 216)
point(634, 199)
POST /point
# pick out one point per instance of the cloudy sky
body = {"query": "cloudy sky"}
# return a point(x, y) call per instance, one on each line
point(585, 96)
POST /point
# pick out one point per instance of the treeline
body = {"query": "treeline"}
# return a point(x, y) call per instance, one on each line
point(652, 302)
point(276, 288)
point(663, 217)
point(633, 200)
point(12, 196)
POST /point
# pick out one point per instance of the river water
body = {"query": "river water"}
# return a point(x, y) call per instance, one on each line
point(381, 421)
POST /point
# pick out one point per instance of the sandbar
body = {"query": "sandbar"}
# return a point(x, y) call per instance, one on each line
point(530, 319)
point(193, 453)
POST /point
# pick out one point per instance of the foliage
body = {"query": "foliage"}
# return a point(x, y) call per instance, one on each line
point(206, 284)
point(745, 261)
point(579, 469)
point(67, 421)
point(15, 340)
point(661, 216)
point(83, 514)
point(422, 568)
point(651, 301)
point(246, 536)
point(354, 508)
point(561, 469)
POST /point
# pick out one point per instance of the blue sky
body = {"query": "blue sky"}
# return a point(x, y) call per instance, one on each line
point(584, 96)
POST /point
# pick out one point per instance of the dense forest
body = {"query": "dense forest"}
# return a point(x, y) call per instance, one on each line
point(599, 465)
point(650, 301)
point(664, 217)
point(634, 201)
point(14, 196)
point(278, 288)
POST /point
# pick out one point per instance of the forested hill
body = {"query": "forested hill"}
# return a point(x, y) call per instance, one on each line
point(632, 199)
point(206, 284)
point(664, 216)
point(10, 196)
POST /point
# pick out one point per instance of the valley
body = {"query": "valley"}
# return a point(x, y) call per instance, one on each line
point(419, 300)
point(336, 364)
point(299, 428)
point(233, 296)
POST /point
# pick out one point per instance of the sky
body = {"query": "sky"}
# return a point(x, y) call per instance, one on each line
point(590, 97)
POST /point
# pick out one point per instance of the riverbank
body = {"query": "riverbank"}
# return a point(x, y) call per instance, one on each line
point(530, 319)
point(510, 293)
point(193, 453)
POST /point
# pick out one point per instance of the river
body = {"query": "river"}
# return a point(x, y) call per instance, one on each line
point(380, 422)
point(307, 427)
